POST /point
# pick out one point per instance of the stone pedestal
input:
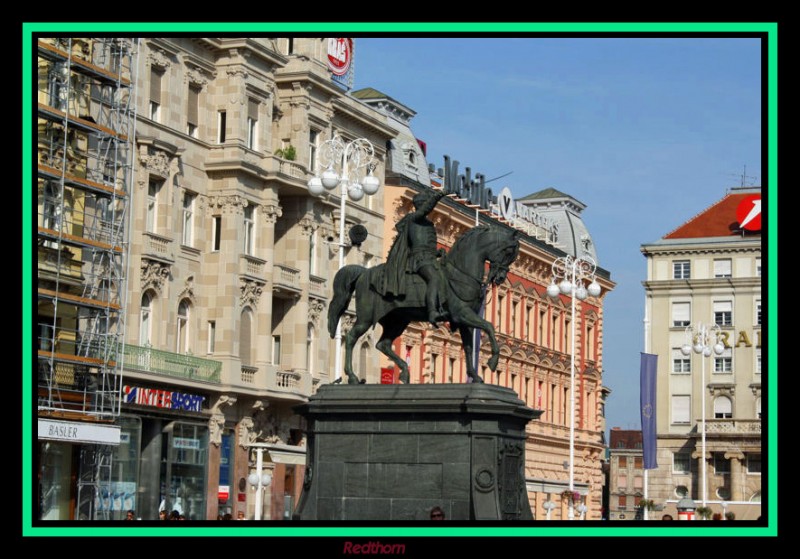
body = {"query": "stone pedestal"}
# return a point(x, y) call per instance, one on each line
point(392, 452)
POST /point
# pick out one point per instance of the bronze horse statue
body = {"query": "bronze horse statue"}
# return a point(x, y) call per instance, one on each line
point(463, 268)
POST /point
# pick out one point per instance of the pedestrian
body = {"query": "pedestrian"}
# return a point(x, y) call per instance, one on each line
point(130, 515)
point(437, 513)
point(667, 517)
point(162, 515)
point(240, 515)
point(174, 515)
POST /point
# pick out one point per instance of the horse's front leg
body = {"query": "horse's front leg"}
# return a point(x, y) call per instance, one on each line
point(468, 345)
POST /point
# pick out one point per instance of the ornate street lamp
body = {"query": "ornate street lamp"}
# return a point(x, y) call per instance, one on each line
point(348, 165)
point(573, 273)
point(259, 480)
point(703, 340)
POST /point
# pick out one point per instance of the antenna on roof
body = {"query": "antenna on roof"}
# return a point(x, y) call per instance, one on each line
point(744, 177)
point(500, 177)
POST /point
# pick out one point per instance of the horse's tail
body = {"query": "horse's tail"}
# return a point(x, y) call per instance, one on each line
point(344, 283)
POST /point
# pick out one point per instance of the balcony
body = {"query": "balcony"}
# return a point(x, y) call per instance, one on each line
point(252, 267)
point(730, 426)
point(175, 365)
point(158, 247)
point(317, 287)
point(286, 282)
point(289, 382)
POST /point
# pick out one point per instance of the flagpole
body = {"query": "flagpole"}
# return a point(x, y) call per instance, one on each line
point(646, 350)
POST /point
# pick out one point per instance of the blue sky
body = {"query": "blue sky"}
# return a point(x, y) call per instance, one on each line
point(647, 132)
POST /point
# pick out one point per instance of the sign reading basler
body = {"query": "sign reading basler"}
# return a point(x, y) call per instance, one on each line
point(162, 398)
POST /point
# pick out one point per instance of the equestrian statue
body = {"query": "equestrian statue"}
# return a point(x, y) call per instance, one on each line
point(419, 282)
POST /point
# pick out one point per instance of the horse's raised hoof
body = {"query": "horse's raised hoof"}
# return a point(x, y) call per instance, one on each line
point(493, 360)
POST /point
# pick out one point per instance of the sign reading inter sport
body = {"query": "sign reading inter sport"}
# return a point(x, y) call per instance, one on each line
point(340, 55)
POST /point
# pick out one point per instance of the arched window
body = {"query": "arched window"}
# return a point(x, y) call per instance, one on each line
point(723, 408)
point(245, 335)
point(146, 319)
point(182, 332)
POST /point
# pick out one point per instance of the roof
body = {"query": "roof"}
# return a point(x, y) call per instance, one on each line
point(546, 194)
point(369, 93)
point(622, 439)
point(718, 220)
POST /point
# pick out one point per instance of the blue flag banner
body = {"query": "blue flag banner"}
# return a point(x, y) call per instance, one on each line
point(647, 400)
point(476, 334)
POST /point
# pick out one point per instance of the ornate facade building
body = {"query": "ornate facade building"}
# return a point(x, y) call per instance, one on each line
point(230, 264)
point(708, 271)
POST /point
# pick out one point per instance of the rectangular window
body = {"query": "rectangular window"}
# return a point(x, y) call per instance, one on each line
point(758, 361)
point(155, 94)
point(637, 462)
point(252, 124)
point(680, 269)
point(758, 267)
point(188, 219)
point(724, 363)
point(681, 410)
point(681, 463)
point(638, 482)
point(722, 465)
point(681, 314)
point(212, 336)
point(313, 138)
point(758, 313)
point(722, 268)
point(192, 111)
point(623, 462)
point(622, 502)
point(681, 363)
point(216, 233)
point(276, 350)
point(754, 463)
point(222, 122)
point(622, 482)
point(249, 230)
point(723, 313)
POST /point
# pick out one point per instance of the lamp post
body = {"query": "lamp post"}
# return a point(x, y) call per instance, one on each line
point(573, 272)
point(701, 339)
point(259, 479)
point(344, 164)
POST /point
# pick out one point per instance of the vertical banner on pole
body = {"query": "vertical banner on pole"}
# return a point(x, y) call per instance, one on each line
point(647, 399)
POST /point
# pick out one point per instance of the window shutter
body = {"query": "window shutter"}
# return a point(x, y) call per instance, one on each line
point(680, 409)
point(252, 109)
point(681, 312)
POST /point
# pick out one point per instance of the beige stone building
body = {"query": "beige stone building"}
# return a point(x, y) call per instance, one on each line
point(229, 268)
point(708, 271)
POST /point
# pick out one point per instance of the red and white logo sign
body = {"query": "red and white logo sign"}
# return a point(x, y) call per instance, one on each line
point(748, 213)
point(340, 55)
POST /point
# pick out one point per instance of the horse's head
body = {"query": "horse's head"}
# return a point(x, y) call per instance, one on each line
point(505, 251)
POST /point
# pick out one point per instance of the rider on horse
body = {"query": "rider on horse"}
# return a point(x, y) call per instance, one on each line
point(414, 252)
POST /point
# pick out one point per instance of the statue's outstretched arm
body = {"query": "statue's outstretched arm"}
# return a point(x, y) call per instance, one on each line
point(430, 203)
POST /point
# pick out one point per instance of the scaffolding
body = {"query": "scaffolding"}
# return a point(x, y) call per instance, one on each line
point(85, 156)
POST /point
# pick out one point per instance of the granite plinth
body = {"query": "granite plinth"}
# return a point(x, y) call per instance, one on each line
point(392, 452)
